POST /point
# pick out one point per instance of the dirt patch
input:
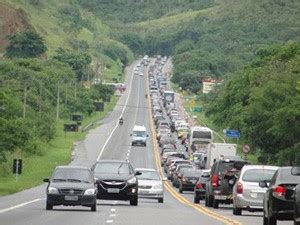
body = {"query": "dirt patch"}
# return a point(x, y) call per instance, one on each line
point(11, 21)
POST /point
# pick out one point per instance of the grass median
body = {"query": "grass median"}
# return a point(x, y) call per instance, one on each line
point(56, 152)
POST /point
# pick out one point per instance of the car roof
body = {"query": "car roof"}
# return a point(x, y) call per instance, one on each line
point(72, 167)
point(139, 128)
point(145, 169)
point(112, 160)
point(267, 167)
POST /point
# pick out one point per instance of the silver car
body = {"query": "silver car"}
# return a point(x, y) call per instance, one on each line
point(247, 194)
point(150, 184)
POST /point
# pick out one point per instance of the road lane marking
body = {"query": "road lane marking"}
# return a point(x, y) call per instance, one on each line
point(114, 210)
point(180, 198)
point(117, 123)
point(20, 205)
point(112, 215)
point(109, 221)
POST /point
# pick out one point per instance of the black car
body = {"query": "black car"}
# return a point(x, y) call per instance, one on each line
point(188, 180)
point(279, 197)
point(116, 180)
point(200, 187)
point(223, 176)
point(71, 186)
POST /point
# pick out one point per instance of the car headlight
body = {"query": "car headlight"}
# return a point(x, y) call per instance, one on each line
point(131, 180)
point(52, 190)
point(158, 186)
point(90, 191)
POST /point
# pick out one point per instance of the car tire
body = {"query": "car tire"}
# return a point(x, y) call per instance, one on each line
point(238, 211)
point(272, 220)
point(94, 208)
point(196, 199)
point(177, 185)
point(49, 206)
point(215, 204)
point(210, 201)
point(134, 201)
point(161, 200)
point(296, 223)
point(180, 189)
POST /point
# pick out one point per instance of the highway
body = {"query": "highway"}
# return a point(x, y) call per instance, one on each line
point(111, 141)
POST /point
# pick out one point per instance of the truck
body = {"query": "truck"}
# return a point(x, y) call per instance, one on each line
point(169, 97)
point(217, 151)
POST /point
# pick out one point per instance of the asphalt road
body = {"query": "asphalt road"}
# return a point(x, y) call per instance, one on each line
point(111, 141)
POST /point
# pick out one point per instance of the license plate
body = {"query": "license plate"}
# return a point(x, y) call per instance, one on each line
point(71, 198)
point(113, 190)
point(143, 192)
point(220, 197)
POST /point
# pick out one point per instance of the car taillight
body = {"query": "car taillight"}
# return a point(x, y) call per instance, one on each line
point(199, 185)
point(239, 188)
point(279, 191)
point(215, 180)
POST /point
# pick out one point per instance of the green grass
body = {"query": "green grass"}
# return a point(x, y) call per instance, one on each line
point(57, 152)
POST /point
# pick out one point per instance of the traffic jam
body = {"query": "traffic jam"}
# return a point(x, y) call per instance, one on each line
point(213, 172)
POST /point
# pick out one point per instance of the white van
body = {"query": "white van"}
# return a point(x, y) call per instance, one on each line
point(139, 135)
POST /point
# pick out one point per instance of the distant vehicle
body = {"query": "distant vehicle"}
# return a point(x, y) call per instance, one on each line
point(200, 138)
point(223, 176)
point(139, 135)
point(150, 184)
point(279, 198)
point(216, 151)
point(199, 159)
point(71, 186)
point(199, 191)
point(246, 192)
point(188, 180)
point(116, 180)
point(141, 74)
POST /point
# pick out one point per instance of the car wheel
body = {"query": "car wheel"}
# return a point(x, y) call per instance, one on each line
point(180, 189)
point(196, 199)
point(173, 183)
point(161, 200)
point(272, 220)
point(238, 211)
point(215, 204)
point(296, 223)
point(177, 185)
point(209, 201)
point(94, 208)
point(134, 201)
point(49, 206)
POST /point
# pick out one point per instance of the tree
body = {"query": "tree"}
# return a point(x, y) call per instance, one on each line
point(28, 44)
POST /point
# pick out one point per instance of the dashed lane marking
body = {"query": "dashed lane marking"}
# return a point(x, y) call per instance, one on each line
point(20, 205)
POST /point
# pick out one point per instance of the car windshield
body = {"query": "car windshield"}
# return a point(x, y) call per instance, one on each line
point(139, 134)
point(257, 175)
point(148, 175)
point(72, 174)
point(112, 168)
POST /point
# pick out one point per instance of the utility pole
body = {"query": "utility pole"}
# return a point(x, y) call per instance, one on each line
point(25, 100)
point(57, 104)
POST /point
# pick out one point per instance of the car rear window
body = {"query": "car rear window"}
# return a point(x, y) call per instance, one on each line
point(257, 175)
point(192, 173)
point(148, 175)
point(285, 176)
point(112, 168)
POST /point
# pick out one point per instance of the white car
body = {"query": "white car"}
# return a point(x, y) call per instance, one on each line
point(150, 184)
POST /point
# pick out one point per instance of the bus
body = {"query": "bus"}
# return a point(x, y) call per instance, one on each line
point(200, 139)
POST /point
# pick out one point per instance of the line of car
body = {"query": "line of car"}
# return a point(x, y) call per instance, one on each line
point(231, 180)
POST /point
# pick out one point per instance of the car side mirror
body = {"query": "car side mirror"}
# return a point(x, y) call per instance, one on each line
point(263, 184)
point(137, 173)
point(47, 180)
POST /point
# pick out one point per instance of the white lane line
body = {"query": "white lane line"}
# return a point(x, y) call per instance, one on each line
point(117, 124)
point(113, 210)
point(112, 215)
point(20, 205)
point(109, 221)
